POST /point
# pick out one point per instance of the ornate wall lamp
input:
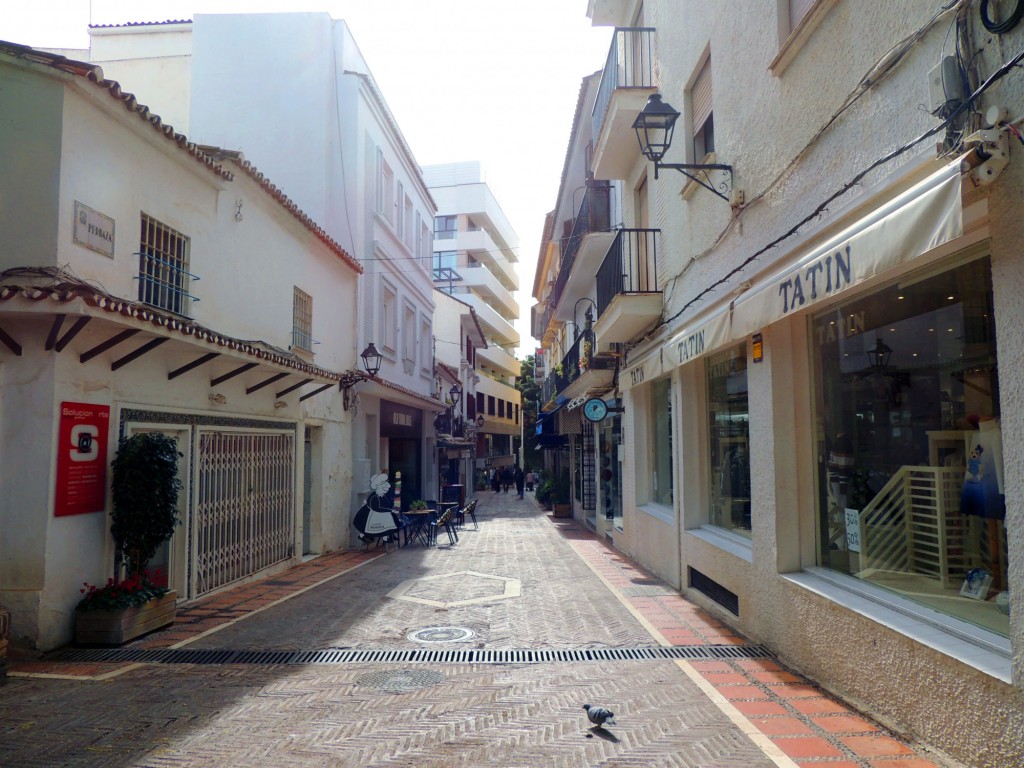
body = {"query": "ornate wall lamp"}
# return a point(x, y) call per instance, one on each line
point(371, 364)
point(654, 127)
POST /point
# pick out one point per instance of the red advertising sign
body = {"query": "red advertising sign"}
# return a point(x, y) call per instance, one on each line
point(82, 459)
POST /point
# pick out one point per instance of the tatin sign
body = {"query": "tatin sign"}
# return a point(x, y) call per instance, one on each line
point(82, 459)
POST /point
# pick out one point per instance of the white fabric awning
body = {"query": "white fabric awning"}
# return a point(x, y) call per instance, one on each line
point(649, 368)
point(925, 216)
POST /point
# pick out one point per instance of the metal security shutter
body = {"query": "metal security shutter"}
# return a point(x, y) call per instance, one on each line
point(700, 96)
point(589, 469)
point(245, 518)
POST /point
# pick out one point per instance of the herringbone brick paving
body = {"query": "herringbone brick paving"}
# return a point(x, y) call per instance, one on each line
point(576, 592)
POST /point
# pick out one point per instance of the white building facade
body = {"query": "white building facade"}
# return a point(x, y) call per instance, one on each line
point(317, 123)
point(150, 286)
point(822, 431)
point(475, 258)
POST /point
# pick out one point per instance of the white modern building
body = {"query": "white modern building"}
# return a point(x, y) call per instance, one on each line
point(475, 258)
point(815, 296)
point(149, 285)
point(293, 93)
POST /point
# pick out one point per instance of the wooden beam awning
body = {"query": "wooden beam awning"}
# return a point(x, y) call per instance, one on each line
point(69, 306)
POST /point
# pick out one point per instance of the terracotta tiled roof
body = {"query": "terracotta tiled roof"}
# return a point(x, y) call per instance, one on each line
point(286, 202)
point(212, 157)
point(63, 288)
point(141, 24)
point(452, 373)
point(430, 402)
point(94, 74)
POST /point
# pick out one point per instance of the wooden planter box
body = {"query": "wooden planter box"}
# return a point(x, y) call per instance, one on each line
point(124, 624)
point(563, 510)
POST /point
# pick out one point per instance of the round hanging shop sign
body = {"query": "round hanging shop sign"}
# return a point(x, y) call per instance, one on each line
point(595, 409)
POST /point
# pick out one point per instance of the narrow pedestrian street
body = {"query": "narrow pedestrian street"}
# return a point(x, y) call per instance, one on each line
point(478, 653)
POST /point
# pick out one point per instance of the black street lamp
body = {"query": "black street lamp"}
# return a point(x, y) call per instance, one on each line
point(456, 394)
point(371, 359)
point(879, 356)
point(654, 127)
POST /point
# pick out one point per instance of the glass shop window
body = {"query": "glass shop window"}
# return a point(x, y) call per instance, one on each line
point(660, 420)
point(910, 474)
point(729, 440)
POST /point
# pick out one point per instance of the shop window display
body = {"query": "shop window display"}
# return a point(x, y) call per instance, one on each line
point(910, 476)
point(660, 417)
point(729, 440)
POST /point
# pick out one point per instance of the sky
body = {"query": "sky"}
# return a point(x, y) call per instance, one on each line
point(465, 79)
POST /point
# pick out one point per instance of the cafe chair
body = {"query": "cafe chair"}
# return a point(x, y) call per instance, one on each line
point(444, 520)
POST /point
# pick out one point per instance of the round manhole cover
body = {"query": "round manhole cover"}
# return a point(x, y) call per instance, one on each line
point(401, 680)
point(441, 635)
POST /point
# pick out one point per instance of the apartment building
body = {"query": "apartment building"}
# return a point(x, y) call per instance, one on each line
point(475, 258)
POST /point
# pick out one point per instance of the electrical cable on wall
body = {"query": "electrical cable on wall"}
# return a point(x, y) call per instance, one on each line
point(878, 72)
point(996, 76)
point(1001, 27)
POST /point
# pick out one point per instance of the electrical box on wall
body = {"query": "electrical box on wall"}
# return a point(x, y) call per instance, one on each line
point(945, 86)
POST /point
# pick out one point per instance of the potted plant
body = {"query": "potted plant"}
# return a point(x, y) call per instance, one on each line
point(144, 493)
point(544, 491)
point(417, 505)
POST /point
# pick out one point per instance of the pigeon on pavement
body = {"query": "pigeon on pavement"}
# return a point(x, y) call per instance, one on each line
point(599, 716)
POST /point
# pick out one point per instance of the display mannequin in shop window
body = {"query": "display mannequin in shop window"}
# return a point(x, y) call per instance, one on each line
point(982, 494)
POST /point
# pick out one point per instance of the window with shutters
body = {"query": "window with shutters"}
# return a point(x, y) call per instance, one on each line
point(701, 113)
point(399, 218)
point(388, 320)
point(302, 320)
point(385, 189)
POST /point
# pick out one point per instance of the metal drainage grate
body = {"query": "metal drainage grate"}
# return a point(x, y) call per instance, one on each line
point(401, 680)
point(441, 635)
point(413, 656)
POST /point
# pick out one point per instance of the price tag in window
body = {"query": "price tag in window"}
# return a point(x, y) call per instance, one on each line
point(853, 529)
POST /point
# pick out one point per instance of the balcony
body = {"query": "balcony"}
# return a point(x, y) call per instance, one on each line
point(479, 244)
point(606, 13)
point(496, 358)
point(579, 371)
point(481, 281)
point(586, 244)
point(628, 298)
point(627, 81)
point(495, 326)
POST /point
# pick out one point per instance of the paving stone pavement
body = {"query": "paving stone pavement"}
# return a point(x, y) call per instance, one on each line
point(522, 581)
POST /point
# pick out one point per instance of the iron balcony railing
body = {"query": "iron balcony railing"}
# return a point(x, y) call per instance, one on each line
point(594, 215)
point(579, 359)
point(629, 65)
point(630, 266)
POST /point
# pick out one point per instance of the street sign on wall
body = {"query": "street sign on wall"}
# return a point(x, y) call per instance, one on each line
point(82, 459)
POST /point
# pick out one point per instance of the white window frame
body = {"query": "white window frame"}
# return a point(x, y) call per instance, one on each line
point(386, 186)
point(388, 317)
point(426, 345)
point(399, 219)
point(409, 330)
point(407, 231)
